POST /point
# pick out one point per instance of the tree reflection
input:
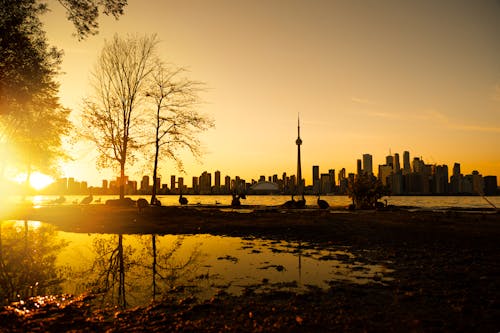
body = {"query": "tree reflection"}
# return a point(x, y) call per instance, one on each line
point(28, 254)
point(110, 266)
point(170, 267)
point(127, 273)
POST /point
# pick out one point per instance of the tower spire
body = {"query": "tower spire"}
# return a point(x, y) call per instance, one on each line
point(300, 189)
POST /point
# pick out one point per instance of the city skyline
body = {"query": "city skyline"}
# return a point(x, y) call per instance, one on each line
point(409, 175)
point(370, 76)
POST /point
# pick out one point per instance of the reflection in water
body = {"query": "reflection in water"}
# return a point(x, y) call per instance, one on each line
point(130, 270)
point(107, 274)
point(28, 253)
point(169, 269)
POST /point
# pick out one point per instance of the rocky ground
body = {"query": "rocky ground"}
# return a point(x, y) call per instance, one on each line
point(446, 273)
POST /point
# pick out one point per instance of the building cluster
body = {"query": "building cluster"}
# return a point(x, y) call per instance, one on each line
point(411, 177)
point(415, 177)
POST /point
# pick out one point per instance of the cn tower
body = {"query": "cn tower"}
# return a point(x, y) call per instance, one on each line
point(299, 168)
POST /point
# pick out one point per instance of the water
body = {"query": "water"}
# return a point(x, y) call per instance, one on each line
point(130, 270)
point(425, 202)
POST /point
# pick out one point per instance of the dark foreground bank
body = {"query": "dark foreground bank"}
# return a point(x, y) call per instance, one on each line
point(446, 272)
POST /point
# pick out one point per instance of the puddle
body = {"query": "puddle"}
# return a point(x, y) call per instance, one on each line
point(130, 270)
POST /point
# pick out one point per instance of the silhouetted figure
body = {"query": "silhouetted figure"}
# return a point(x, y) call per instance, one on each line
point(322, 204)
point(157, 202)
point(301, 203)
point(290, 203)
point(182, 200)
point(87, 200)
point(236, 201)
point(141, 204)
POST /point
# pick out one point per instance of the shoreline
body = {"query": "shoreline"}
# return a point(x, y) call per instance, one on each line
point(446, 272)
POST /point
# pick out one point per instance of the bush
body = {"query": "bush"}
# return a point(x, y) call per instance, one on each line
point(365, 191)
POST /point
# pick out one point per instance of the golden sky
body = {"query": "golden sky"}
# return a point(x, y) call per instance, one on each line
point(365, 76)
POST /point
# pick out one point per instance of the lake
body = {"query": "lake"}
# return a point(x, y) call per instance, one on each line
point(426, 202)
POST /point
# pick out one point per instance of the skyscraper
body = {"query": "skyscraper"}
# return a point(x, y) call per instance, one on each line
point(315, 172)
point(367, 164)
point(217, 181)
point(406, 163)
point(389, 160)
point(172, 183)
point(456, 169)
point(315, 178)
point(397, 166)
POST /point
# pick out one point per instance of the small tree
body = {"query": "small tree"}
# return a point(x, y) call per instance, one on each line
point(113, 115)
point(176, 123)
point(365, 191)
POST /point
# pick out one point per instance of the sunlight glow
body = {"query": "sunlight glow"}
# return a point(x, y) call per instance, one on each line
point(38, 180)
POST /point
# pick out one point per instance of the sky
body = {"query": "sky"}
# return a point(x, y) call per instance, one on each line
point(373, 76)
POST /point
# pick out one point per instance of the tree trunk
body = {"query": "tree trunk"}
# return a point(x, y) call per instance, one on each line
point(157, 152)
point(122, 301)
point(153, 239)
point(122, 180)
point(155, 175)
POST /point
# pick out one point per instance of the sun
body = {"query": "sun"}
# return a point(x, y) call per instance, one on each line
point(38, 180)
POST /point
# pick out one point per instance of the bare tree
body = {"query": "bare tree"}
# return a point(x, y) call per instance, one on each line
point(176, 121)
point(113, 114)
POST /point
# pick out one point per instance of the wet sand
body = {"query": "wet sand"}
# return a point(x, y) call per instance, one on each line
point(446, 272)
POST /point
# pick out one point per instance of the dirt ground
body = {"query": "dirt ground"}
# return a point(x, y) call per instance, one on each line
point(446, 273)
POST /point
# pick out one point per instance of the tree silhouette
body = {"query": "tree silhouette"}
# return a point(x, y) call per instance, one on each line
point(27, 63)
point(176, 122)
point(365, 191)
point(35, 136)
point(113, 115)
point(32, 121)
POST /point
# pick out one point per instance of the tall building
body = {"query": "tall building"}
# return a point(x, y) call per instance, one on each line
point(145, 183)
point(331, 172)
point(315, 172)
point(195, 185)
point(325, 186)
point(172, 183)
point(397, 166)
point(299, 166)
point(180, 182)
point(406, 163)
point(342, 181)
point(217, 181)
point(315, 179)
point(359, 168)
point(227, 184)
point(367, 164)
point(440, 179)
point(456, 180)
point(205, 183)
point(384, 171)
point(418, 165)
point(490, 185)
point(389, 160)
point(456, 169)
